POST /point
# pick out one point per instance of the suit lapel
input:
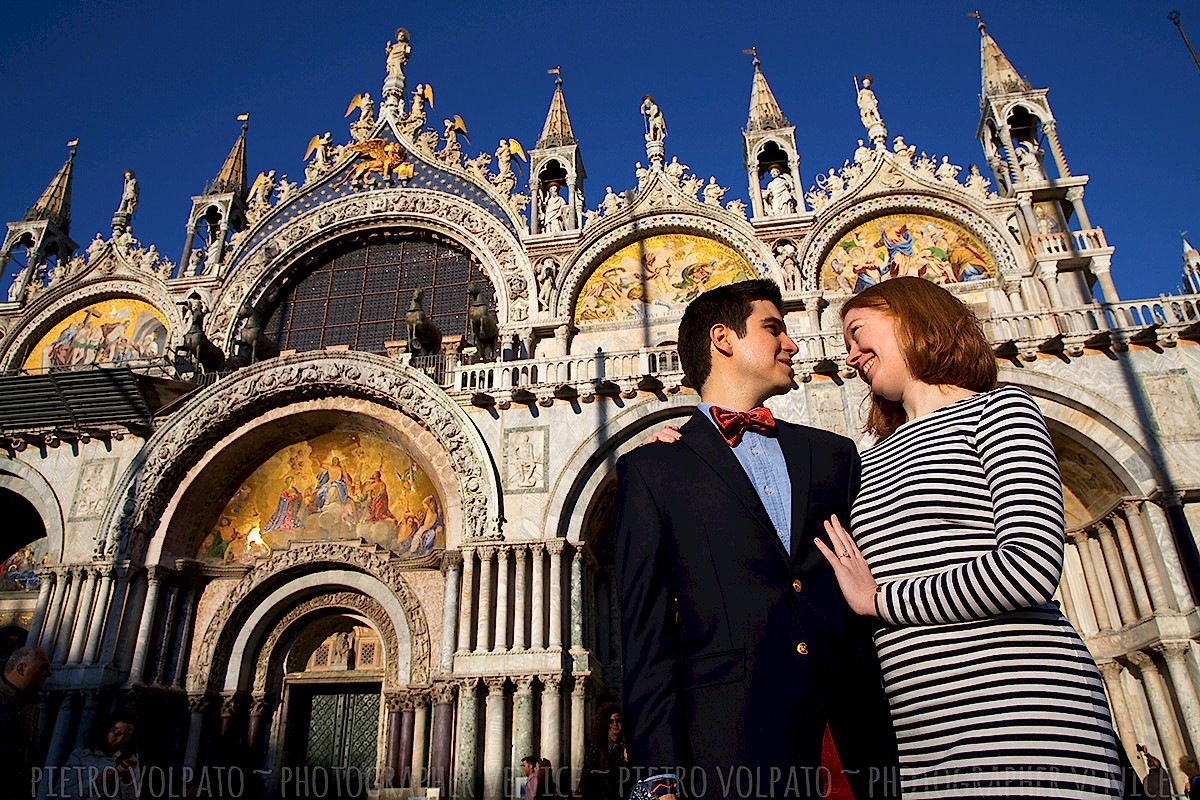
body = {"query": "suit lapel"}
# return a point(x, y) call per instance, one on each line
point(702, 436)
point(797, 452)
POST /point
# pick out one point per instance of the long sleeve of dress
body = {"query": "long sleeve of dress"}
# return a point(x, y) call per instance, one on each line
point(1023, 569)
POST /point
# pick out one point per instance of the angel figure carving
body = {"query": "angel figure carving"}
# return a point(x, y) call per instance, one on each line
point(451, 150)
point(360, 129)
point(415, 118)
point(504, 180)
point(319, 150)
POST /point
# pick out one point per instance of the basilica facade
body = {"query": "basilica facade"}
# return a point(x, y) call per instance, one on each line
point(331, 496)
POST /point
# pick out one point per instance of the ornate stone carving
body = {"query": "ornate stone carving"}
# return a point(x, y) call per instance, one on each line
point(495, 685)
point(442, 692)
point(367, 606)
point(218, 637)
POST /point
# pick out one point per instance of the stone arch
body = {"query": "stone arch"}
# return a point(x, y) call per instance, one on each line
point(267, 594)
point(587, 467)
point(51, 307)
point(480, 233)
point(29, 484)
point(828, 231)
point(151, 481)
point(698, 221)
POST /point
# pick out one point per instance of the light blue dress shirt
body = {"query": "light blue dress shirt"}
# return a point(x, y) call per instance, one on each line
point(762, 459)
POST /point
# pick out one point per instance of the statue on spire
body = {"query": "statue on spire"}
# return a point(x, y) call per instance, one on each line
point(868, 111)
point(129, 201)
point(656, 131)
point(397, 58)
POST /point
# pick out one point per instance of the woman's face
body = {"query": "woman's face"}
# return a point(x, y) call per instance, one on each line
point(118, 735)
point(873, 349)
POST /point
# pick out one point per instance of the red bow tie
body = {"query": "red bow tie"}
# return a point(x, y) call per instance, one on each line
point(732, 424)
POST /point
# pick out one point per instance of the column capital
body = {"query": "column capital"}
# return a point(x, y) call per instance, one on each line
point(259, 702)
point(495, 685)
point(1171, 650)
point(504, 551)
point(1110, 670)
point(555, 546)
point(395, 700)
point(524, 684)
point(442, 692)
point(552, 682)
point(537, 547)
point(229, 703)
point(419, 697)
point(197, 703)
point(1074, 193)
point(1079, 536)
point(1142, 661)
point(467, 685)
point(581, 683)
point(451, 559)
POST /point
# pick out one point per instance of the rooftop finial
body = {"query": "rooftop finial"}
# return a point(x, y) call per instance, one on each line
point(978, 19)
point(753, 51)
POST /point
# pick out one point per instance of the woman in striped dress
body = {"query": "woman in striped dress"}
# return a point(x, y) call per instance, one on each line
point(957, 548)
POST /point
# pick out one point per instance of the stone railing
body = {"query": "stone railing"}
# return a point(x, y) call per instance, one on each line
point(1065, 243)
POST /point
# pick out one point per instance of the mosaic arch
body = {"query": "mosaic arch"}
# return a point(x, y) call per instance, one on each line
point(115, 331)
point(656, 276)
point(336, 486)
point(913, 244)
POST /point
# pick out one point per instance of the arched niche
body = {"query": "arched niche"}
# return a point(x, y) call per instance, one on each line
point(31, 511)
point(112, 322)
point(306, 471)
point(148, 496)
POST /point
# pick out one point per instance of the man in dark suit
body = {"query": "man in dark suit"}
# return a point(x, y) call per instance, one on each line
point(738, 648)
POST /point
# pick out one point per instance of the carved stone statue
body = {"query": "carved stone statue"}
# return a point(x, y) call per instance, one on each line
point(976, 183)
point(545, 279)
point(319, 149)
point(129, 194)
point(713, 194)
point(904, 152)
point(611, 203)
point(196, 261)
point(947, 172)
point(868, 111)
point(554, 209)
point(656, 126)
point(785, 254)
point(397, 55)
point(781, 194)
point(1029, 157)
point(736, 207)
point(691, 185)
point(149, 259)
point(641, 173)
point(862, 154)
point(95, 247)
point(675, 170)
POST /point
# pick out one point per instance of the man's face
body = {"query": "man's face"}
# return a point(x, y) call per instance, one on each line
point(763, 357)
point(32, 675)
point(526, 768)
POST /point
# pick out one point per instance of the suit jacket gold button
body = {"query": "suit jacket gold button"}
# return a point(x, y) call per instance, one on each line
point(797, 586)
point(802, 648)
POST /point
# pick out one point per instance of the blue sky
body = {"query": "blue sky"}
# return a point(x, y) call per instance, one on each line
point(154, 89)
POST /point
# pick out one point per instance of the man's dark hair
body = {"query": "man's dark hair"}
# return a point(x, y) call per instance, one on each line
point(531, 761)
point(728, 305)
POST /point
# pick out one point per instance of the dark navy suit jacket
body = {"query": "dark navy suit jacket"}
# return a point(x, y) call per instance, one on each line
point(736, 654)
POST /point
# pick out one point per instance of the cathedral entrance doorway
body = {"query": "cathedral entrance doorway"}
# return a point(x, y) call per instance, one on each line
point(330, 741)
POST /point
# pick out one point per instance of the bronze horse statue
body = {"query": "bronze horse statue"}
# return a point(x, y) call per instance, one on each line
point(483, 328)
point(205, 355)
point(424, 336)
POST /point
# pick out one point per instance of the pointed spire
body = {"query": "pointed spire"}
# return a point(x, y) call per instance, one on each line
point(999, 75)
point(557, 130)
point(55, 203)
point(1191, 258)
point(232, 177)
point(765, 113)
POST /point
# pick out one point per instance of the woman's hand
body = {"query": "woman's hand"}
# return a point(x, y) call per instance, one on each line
point(668, 434)
point(851, 570)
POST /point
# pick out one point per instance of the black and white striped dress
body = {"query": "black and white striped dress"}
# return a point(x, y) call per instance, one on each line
point(992, 692)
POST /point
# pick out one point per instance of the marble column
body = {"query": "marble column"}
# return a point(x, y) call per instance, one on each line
point(523, 723)
point(99, 612)
point(393, 760)
point(1187, 699)
point(467, 751)
point(1117, 573)
point(407, 720)
point(183, 650)
point(170, 621)
point(57, 753)
point(551, 744)
point(452, 566)
point(87, 717)
point(45, 589)
point(145, 635)
point(120, 637)
point(1092, 580)
point(1101, 267)
point(231, 736)
point(554, 607)
point(254, 726)
point(579, 694)
point(441, 735)
point(577, 610)
point(483, 627)
point(1051, 131)
point(1161, 596)
point(62, 639)
point(520, 641)
point(420, 760)
point(83, 616)
point(197, 705)
point(494, 726)
point(536, 605)
point(46, 636)
point(1156, 517)
point(501, 643)
point(1137, 580)
point(1075, 195)
point(466, 606)
point(1161, 710)
point(1111, 672)
point(1067, 602)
